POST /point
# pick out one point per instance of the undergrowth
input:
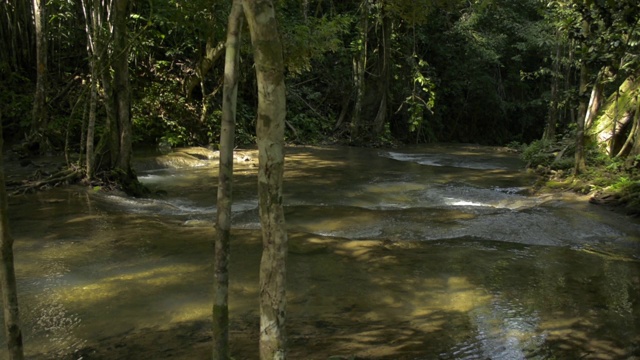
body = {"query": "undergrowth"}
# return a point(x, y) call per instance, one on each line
point(607, 179)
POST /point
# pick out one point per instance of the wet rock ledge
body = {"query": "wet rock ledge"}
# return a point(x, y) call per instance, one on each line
point(192, 157)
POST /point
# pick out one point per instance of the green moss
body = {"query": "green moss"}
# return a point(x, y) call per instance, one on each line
point(626, 102)
point(558, 184)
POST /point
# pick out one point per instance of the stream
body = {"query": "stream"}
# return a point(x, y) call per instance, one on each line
point(430, 252)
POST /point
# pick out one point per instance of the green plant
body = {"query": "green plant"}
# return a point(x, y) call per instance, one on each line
point(537, 153)
point(623, 182)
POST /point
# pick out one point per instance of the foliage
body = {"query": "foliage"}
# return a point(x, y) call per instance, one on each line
point(422, 100)
point(463, 71)
point(16, 101)
point(311, 39)
point(537, 154)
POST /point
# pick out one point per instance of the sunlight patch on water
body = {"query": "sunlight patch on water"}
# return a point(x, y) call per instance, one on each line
point(458, 202)
point(109, 287)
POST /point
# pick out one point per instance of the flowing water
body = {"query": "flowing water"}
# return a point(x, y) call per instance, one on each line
point(431, 252)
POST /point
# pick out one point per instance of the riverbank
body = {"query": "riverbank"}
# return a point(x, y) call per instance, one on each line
point(599, 185)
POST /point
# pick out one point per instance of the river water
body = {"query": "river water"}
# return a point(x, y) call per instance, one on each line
point(432, 252)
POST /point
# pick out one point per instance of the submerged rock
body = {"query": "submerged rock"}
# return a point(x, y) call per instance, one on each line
point(193, 157)
point(198, 223)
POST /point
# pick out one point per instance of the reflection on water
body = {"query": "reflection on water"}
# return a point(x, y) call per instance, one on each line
point(421, 253)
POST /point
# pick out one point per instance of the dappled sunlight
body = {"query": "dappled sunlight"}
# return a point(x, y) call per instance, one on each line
point(574, 338)
point(187, 310)
point(387, 259)
point(359, 250)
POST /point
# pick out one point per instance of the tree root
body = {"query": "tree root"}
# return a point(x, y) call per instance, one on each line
point(62, 177)
point(111, 180)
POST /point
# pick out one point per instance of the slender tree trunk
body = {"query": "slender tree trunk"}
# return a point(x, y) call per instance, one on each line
point(568, 113)
point(385, 75)
point(39, 122)
point(83, 133)
point(595, 100)
point(552, 122)
point(105, 54)
point(121, 83)
point(205, 102)
point(580, 165)
point(359, 69)
point(91, 126)
point(92, 27)
point(269, 66)
point(8, 287)
point(631, 159)
point(112, 131)
point(223, 213)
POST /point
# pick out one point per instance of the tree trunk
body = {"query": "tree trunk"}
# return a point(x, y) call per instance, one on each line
point(580, 165)
point(385, 75)
point(111, 135)
point(269, 66)
point(595, 100)
point(550, 129)
point(223, 212)
point(39, 122)
point(13, 333)
point(359, 69)
point(93, 100)
point(92, 27)
point(631, 159)
point(121, 83)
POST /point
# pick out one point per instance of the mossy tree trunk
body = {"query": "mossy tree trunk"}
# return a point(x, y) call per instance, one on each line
point(268, 56)
point(13, 333)
point(223, 211)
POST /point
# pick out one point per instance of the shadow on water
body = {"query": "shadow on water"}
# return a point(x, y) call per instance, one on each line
point(502, 275)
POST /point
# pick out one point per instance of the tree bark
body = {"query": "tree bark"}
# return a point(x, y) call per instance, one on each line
point(580, 165)
point(39, 122)
point(91, 126)
point(385, 75)
point(631, 159)
point(595, 100)
point(92, 27)
point(12, 330)
point(550, 128)
point(359, 69)
point(121, 83)
point(269, 66)
point(224, 201)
